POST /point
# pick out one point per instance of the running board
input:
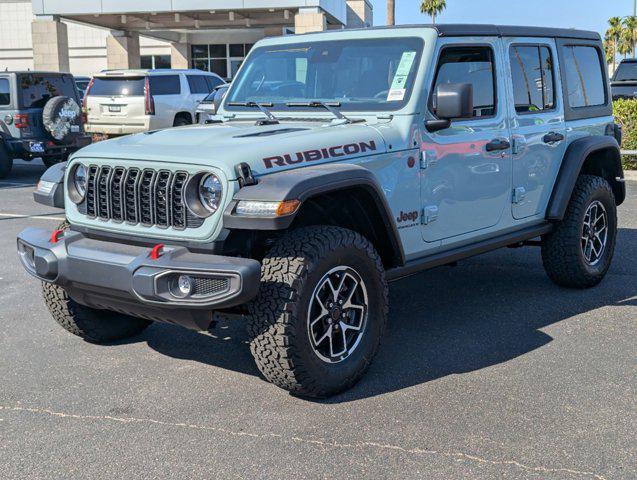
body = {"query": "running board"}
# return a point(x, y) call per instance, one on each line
point(450, 256)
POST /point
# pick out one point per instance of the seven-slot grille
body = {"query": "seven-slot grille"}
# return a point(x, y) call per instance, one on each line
point(138, 196)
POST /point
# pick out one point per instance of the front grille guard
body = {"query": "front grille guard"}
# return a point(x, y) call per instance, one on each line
point(148, 197)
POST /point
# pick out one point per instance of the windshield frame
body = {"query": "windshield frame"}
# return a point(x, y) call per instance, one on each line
point(346, 107)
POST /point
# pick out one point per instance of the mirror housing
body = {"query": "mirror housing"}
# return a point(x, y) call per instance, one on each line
point(451, 101)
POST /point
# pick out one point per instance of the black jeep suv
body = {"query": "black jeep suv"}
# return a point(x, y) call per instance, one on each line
point(40, 117)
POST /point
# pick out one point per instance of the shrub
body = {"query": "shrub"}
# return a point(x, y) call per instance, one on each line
point(625, 112)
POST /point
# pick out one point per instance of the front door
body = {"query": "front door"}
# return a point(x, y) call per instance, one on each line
point(537, 123)
point(466, 176)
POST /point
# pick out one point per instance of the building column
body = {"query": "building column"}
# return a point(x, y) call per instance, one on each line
point(180, 55)
point(360, 14)
point(50, 45)
point(122, 50)
point(310, 20)
point(272, 32)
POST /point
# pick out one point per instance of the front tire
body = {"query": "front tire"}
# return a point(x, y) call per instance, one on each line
point(578, 253)
point(321, 311)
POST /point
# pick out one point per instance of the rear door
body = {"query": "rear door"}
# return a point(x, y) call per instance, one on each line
point(167, 95)
point(199, 90)
point(117, 100)
point(537, 122)
point(7, 105)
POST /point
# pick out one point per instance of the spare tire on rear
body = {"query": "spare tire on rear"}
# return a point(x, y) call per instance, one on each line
point(62, 119)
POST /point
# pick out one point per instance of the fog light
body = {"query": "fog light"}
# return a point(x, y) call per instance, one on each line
point(27, 253)
point(182, 286)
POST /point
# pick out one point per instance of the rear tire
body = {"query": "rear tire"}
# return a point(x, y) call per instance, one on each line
point(578, 253)
point(182, 120)
point(6, 162)
point(296, 342)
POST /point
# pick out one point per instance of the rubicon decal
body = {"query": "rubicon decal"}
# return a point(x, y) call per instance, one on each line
point(320, 154)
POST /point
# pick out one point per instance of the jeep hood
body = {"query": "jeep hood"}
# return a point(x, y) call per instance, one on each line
point(266, 148)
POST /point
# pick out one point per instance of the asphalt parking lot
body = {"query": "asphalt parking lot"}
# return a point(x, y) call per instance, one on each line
point(488, 371)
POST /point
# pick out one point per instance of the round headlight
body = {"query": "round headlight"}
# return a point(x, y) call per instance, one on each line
point(80, 179)
point(210, 190)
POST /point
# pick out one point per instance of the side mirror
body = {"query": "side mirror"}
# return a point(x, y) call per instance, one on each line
point(451, 101)
point(218, 98)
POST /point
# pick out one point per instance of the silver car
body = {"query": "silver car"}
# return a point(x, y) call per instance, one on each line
point(210, 104)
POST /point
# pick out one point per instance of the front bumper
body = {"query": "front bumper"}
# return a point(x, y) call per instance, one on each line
point(125, 278)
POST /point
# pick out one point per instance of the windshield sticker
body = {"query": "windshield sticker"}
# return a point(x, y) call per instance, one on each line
point(398, 88)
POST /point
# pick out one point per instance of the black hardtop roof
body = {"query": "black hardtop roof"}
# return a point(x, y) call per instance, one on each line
point(479, 30)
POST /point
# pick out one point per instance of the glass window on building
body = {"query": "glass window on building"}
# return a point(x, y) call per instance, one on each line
point(155, 61)
point(222, 59)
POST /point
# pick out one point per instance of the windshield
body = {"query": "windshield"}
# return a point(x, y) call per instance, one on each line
point(359, 75)
point(37, 89)
point(626, 71)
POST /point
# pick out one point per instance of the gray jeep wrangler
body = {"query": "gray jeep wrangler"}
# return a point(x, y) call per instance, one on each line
point(339, 162)
point(40, 117)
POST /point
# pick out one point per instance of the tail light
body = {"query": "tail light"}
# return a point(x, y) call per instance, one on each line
point(84, 101)
point(21, 120)
point(149, 101)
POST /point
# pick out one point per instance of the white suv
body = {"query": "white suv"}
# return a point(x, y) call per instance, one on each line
point(119, 102)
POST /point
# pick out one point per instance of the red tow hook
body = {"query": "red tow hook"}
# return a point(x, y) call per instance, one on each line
point(55, 236)
point(156, 252)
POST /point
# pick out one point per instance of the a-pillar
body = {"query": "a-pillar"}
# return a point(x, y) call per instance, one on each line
point(310, 20)
point(50, 45)
point(122, 50)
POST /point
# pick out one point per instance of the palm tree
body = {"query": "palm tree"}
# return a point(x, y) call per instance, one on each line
point(630, 24)
point(391, 12)
point(625, 44)
point(432, 8)
point(613, 33)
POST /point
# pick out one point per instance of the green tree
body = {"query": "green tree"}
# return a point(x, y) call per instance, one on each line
point(432, 8)
point(630, 25)
point(613, 34)
point(625, 43)
point(391, 12)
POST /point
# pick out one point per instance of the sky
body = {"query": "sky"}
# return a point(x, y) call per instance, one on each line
point(582, 14)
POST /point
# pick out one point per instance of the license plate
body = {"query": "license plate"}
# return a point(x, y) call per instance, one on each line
point(114, 108)
point(36, 147)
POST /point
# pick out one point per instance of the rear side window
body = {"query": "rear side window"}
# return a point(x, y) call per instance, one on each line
point(532, 77)
point(165, 85)
point(198, 84)
point(584, 77)
point(474, 65)
point(5, 94)
point(118, 87)
point(37, 89)
point(213, 82)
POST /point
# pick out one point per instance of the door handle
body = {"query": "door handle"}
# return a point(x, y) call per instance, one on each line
point(553, 137)
point(498, 144)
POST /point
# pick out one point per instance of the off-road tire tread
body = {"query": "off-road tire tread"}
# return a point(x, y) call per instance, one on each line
point(560, 249)
point(95, 326)
point(272, 313)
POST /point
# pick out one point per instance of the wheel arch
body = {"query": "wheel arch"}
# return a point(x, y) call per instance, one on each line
point(343, 195)
point(183, 114)
point(594, 155)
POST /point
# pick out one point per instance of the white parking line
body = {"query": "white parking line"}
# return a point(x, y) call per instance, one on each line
point(36, 217)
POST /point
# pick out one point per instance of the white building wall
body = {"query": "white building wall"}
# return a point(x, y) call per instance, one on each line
point(87, 45)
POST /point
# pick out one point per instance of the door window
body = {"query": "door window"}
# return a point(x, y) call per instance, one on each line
point(213, 82)
point(584, 77)
point(5, 94)
point(473, 65)
point(532, 77)
point(198, 84)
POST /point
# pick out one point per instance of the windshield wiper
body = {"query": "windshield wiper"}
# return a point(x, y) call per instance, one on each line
point(327, 106)
point(271, 119)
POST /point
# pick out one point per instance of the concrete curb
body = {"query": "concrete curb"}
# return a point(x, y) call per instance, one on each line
point(630, 175)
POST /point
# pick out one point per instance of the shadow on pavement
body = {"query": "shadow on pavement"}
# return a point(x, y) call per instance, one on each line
point(23, 174)
point(450, 320)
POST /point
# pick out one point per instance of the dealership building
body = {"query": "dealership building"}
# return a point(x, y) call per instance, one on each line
point(87, 36)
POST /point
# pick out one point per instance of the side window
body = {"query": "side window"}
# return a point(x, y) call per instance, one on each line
point(5, 93)
point(584, 78)
point(213, 82)
point(197, 84)
point(474, 65)
point(165, 85)
point(532, 77)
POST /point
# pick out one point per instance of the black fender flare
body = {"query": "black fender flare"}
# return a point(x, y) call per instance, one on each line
point(54, 196)
point(304, 183)
point(576, 154)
